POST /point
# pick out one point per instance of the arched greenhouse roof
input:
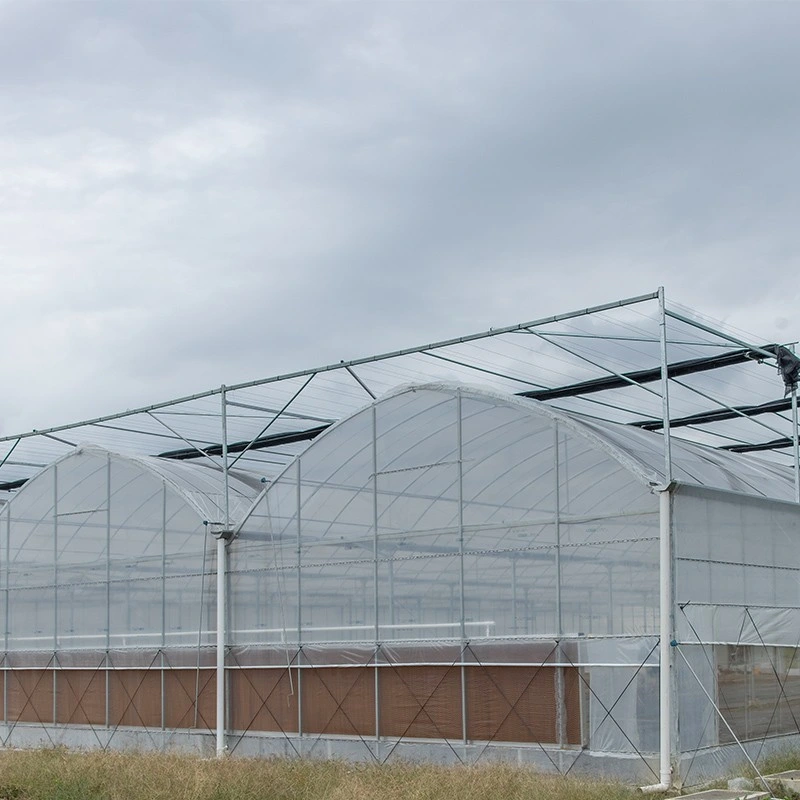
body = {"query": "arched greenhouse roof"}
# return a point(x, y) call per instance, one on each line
point(201, 487)
point(639, 451)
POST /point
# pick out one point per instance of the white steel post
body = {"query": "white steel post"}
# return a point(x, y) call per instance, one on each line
point(107, 661)
point(662, 325)
point(375, 576)
point(561, 722)
point(462, 588)
point(666, 676)
point(164, 605)
point(221, 557)
point(6, 577)
point(299, 611)
point(665, 636)
point(665, 576)
point(55, 592)
point(221, 589)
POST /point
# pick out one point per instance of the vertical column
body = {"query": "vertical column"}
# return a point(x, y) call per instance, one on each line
point(108, 593)
point(299, 608)
point(55, 592)
point(561, 716)
point(376, 597)
point(662, 326)
point(665, 637)
point(462, 598)
point(222, 588)
point(164, 600)
point(6, 575)
point(666, 677)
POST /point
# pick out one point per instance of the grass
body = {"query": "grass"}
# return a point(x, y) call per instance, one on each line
point(65, 775)
point(779, 761)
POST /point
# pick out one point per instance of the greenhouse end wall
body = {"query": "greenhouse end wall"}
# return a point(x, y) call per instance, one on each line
point(737, 622)
point(448, 574)
point(458, 569)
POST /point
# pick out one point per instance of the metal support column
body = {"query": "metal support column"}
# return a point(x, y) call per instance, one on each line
point(376, 598)
point(462, 600)
point(108, 594)
point(6, 576)
point(662, 326)
point(665, 576)
point(55, 592)
point(299, 611)
point(222, 589)
point(561, 715)
point(164, 602)
point(375, 577)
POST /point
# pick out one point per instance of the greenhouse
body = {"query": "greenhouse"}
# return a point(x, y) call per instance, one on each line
point(449, 571)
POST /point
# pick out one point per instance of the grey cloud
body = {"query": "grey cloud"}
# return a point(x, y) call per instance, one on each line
point(195, 193)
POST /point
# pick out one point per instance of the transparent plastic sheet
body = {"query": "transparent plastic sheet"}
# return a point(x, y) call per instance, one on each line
point(698, 720)
point(731, 553)
point(738, 623)
point(621, 678)
point(505, 542)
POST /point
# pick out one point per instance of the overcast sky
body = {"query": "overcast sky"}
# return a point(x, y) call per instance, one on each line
point(199, 193)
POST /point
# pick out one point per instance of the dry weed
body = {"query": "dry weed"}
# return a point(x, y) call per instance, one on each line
point(64, 775)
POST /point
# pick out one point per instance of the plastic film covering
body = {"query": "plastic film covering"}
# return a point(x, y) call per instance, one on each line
point(431, 499)
point(737, 566)
point(695, 463)
point(737, 620)
point(102, 553)
point(449, 565)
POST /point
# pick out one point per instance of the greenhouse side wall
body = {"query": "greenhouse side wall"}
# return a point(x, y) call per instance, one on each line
point(737, 622)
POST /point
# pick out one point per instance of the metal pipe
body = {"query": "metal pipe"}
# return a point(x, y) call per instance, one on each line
point(108, 593)
point(164, 600)
point(359, 382)
point(375, 576)
point(665, 645)
point(561, 722)
point(221, 558)
point(6, 577)
point(299, 489)
point(664, 578)
point(662, 325)
point(221, 591)
point(722, 335)
point(55, 590)
point(462, 599)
